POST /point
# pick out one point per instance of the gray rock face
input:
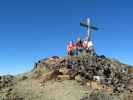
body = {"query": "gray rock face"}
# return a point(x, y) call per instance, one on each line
point(100, 96)
point(111, 71)
point(6, 81)
point(6, 86)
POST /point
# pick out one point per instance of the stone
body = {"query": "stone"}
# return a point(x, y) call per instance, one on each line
point(64, 71)
point(78, 78)
point(94, 85)
point(63, 77)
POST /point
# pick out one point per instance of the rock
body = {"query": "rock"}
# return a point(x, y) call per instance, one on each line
point(78, 78)
point(63, 77)
point(126, 96)
point(64, 71)
point(6, 81)
point(94, 85)
point(130, 85)
point(55, 57)
point(98, 95)
point(130, 70)
point(107, 89)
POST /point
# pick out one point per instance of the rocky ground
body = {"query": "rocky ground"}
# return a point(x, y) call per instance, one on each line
point(87, 77)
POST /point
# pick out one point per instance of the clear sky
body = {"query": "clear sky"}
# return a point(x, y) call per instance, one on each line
point(35, 29)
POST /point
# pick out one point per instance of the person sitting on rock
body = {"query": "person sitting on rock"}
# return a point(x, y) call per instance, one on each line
point(70, 48)
point(79, 46)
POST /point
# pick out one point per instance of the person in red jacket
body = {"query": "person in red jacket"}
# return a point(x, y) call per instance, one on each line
point(70, 48)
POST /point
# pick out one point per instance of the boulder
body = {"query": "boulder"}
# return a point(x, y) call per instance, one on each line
point(7, 81)
point(64, 71)
point(94, 85)
point(130, 70)
point(63, 77)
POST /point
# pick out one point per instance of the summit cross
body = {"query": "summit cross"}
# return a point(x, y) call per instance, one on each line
point(87, 24)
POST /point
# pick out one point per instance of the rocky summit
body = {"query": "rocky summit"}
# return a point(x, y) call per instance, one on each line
point(86, 77)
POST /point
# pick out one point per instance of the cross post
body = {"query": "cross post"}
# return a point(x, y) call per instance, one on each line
point(87, 24)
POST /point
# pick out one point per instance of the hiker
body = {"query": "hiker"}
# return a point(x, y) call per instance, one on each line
point(70, 48)
point(79, 46)
point(90, 48)
point(85, 46)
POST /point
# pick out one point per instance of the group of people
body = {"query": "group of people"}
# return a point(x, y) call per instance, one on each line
point(79, 47)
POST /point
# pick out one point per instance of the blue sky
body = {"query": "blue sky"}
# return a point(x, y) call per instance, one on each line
point(35, 29)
